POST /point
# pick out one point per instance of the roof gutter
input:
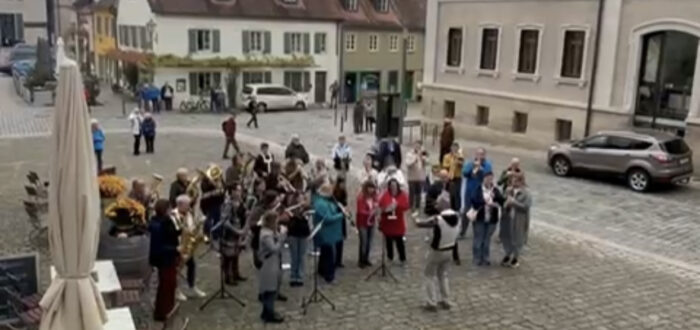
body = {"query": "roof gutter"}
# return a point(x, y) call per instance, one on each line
point(594, 68)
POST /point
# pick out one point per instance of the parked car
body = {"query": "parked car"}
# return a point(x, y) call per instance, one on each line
point(19, 52)
point(272, 97)
point(642, 158)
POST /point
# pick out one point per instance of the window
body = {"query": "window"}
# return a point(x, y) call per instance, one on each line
point(350, 42)
point(411, 43)
point(351, 5)
point(257, 77)
point(676, 147)
point(528, 51)
point(373, 43)
point(572, 57)
point(256, 41)
point(393, 81)
point(98, 25)
point(489, 49)
point(108, 27)
point(482, 115)
point(449, 109)
point(202, 82)
point(299, 81)
point(519, 122)
point(294, 43)
point(563, 130)
point(622, 143)
point(597, 142)
point(202, 40)
point(382, 5)
point(393, 43)
point(454, 47)
point(124, 35)
point(319, 43)
point(134, 36)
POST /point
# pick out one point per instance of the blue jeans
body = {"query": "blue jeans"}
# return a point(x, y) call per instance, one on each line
point(366, 235)
point(326, 262)
point(213, 217)
point(297, 253)
point(482, 241)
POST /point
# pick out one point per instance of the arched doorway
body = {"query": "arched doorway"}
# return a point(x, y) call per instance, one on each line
point(666, 75)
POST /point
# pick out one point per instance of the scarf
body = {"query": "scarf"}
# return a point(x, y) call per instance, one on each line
point(488, 207)
point(267, 159)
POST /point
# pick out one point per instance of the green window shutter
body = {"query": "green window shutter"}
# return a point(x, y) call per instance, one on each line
point(288, 79)
point(306, 43)
point(216, 41)
point(306, 81)
point(19, 26)
point(193, 83)
point(287, 43)
point(268, 43)
point(246, 41)
point(317, 43)
point(192, 40)
point(216, 76)
point(142, 35)
point(268, 77)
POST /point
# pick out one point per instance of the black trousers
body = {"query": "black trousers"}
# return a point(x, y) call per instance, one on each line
point(149, 144)
point(168, 103)
point(191, 272)
point(231, 141)
point(398, 240)
point(137, 144)
point(339, 253)
point(253, 119)
point(98, 155)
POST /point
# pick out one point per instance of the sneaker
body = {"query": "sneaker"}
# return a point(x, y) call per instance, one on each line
point(486, 263)
point(506, 261)
point(180, 296)
point(415, 214)
point(281, 297)
point(195, 293)
point(514, 263)
point(445, 304)
point(430, 308)
point(296, 284)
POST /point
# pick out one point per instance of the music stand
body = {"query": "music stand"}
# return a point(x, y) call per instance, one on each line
point(383, 270)
point(316, 295)
point(222, 293)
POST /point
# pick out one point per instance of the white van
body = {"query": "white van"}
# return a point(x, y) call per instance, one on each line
point(272, 97)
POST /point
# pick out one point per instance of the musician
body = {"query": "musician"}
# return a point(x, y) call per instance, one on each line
point(296, 150)
point(139, 193)
point(295, 205)
point(272, 238)
point(233, 234)
point(212, 199)
point(234, 173)
point(164, 256)
point(263, 163)
point(179, 186)
point(394, 203)
point(366, 216)
point(294, 173)
point(340, 194)
point(185, 220)
point(319, 175)
point(326, 211)
point(273, 180)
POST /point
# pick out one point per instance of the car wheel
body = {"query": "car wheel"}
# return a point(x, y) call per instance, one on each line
point(261, 107)
point(300, 106)
point(638, 180)
point(561, 166)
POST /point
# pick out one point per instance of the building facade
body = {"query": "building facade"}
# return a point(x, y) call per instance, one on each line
point(509, 72)
point(105, 40)
point(22, 21)
point(375, 33)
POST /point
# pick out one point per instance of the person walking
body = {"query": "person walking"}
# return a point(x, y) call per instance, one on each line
point(358, 116)
point(447, 138)
point(270, 274)
point(416, 159)
point(228, 126)
point(334, 94)
point(516, 220)
point(486, 208)
point(148, 129)
point(98, 142)
point(327, 213)
point(370, 116)
point(166, 93)
point(135, 119)
point(366, 215)
point(394, 203)
point(253, 111)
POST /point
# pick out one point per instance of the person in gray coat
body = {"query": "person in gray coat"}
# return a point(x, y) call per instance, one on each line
point(270, 276)
point(515, 221)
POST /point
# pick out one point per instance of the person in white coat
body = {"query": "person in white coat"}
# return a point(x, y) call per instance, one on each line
point(136, 118)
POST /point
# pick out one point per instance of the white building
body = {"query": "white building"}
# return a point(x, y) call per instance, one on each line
point(22, 20)
point(275, 30)
point(521, 72)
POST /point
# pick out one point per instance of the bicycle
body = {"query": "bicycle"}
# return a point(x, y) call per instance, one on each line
point(195, 105)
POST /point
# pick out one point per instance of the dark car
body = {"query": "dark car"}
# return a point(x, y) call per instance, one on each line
point(19, 52)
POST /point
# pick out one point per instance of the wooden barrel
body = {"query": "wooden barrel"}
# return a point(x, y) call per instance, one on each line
point(129, 254)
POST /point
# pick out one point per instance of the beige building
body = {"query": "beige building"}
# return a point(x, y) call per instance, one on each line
point(22, 20)
point(522, 72)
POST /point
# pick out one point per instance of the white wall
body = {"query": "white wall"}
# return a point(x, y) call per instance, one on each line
point(134, 13)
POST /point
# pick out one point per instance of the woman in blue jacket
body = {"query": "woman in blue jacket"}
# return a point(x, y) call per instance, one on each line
point(148, 130)
point(326, 211)
point(98, 142)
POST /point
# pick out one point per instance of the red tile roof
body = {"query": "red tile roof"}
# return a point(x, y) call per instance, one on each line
point(329, 10)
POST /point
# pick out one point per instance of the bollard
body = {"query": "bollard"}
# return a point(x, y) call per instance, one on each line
point(123, 106)
point(335, 116)
point(342, 123)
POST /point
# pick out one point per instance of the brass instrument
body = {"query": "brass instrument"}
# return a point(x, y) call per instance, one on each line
point(193, 186)
point(154, 190)
point(286, 185)
point(191, 236)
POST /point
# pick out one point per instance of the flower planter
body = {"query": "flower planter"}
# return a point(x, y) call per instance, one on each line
point(129, 254)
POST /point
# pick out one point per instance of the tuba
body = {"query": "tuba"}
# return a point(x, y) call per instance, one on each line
point(193, 186)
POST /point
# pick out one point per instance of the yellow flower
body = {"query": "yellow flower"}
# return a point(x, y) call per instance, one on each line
point(137, 212)
point(111, 186)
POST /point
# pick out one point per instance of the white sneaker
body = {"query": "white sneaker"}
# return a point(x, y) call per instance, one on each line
point(180, 296)
point(195, 293)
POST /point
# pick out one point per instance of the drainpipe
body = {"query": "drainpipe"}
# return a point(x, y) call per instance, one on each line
point(594, 69)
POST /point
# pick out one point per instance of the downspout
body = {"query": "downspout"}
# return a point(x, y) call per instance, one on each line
point(594, 69)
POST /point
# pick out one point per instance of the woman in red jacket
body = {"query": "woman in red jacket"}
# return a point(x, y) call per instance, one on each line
point(367, 211)
point(394, 204)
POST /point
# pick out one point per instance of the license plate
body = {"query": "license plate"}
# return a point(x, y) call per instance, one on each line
point(684, 161)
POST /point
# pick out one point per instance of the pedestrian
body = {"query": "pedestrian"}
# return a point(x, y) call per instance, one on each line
point(327, 212)
point(334, 94)
point(452, 163)
point(213, 100)
point(299, 232)
point(98, 142)
point(370, 116)
point(390, 147)
point(340, 195)
point(164, 256)
point(394, 203)
point(445, 228)
point(154, 97)
point(179, 186)
point(253, 111)
point(296, 150)
point(486, 208)
point(472, 177)
point(228, 126)
point(508, 173)
point(341, 155)
point(148, 129)
point(358, 116)
point(166, 93)
point(270, 275)
point(447, 138)
point(435, 190)
point(135, 118)
point(366, 215)
point(416, 159)
point(516, 220)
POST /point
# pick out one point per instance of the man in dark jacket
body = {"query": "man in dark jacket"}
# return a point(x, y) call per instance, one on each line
point(447, 137)
point(389, 147)
point(148, 130)
point(296, 150)
point(164, 256)
point(263, 163)
point(229, 129)
point(434, 191)
point(179, 186)
point(166, 93)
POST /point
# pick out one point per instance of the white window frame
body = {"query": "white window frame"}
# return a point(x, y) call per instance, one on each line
point(352, 5)
point(210, 43)
point(394, 43)
point(581, 81)
point(383, 6)
point(447, 68)
point(369, 43)
point(411, 41)
point(324, 49)
point(535, 77)
point(296, 47)
point(256, 46)
point(479, 51)
point(348, 37)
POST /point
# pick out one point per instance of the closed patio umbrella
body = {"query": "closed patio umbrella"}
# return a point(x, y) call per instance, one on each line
point(72, 301)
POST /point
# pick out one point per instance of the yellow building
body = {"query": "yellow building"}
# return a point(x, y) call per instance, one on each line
point(105, 40)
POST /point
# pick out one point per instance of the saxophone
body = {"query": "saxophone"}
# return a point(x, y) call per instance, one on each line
point(190, 237)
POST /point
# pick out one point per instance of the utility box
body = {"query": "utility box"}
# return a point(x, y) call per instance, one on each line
point(389, 112)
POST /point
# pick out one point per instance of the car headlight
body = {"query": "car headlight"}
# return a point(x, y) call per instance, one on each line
point(553, 147)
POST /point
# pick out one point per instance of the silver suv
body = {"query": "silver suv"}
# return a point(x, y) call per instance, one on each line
point(641, 157)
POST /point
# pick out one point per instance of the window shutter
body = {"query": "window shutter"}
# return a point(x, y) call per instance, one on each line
point(287, 43)
point(246, 41)
point(216, 76)
point(268, 77)
point(142, 35)
point(268, 42)
point(192, 38)
point(287, 79)
point(216, 42)
point(193, 83)
point(19, 23)
point(306, 81)
point(317, 43)
point(307, 41)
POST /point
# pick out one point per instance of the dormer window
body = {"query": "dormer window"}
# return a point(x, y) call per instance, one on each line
point(382, 5)
point(351, 5)
point(289, 2)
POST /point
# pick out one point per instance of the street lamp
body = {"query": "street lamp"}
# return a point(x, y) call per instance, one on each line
point(151, 28)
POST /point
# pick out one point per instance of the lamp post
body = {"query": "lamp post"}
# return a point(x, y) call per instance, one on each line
point(151, 30)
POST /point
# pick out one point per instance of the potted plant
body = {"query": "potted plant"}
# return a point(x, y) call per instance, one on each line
point(125, 242)
point(128, 217)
